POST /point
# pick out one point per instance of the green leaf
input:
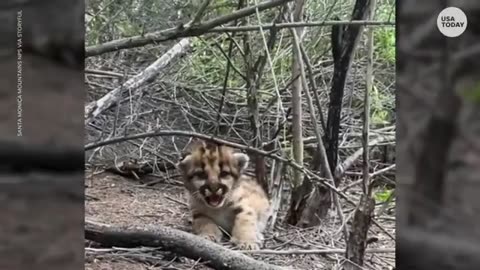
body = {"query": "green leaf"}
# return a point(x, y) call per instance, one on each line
point(382, 196)
point(473, 94)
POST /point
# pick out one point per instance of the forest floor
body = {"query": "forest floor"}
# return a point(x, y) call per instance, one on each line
point(116, 200)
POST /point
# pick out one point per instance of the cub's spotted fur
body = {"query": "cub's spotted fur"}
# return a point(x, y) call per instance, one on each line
point(222, 198)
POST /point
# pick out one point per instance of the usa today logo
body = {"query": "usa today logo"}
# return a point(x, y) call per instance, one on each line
point(452, 22)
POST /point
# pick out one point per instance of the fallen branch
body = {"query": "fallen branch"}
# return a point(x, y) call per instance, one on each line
point(178, 32)
point(178, 242)
point(94, 108)
point(348, 162)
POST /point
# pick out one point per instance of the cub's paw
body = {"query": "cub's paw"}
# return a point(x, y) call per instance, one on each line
point(211, 237)
point(245, 244)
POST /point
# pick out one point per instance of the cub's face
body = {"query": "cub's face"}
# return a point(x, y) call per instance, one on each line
point(211, 171)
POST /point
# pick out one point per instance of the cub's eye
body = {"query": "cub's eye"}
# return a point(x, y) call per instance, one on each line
point(224, 174)
point(202, 175)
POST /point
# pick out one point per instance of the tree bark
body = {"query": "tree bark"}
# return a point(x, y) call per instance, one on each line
point(357, 241)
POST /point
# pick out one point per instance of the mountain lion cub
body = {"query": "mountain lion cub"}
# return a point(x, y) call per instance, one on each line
point(222, 198)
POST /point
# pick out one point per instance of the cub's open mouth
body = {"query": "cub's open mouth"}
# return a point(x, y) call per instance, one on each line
point(214, 200)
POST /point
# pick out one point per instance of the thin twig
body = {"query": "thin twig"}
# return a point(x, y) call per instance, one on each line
point(298, 25)
point(201, 11)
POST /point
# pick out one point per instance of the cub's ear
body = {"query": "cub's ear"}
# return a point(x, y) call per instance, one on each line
point(183, 164)
point(242, 161)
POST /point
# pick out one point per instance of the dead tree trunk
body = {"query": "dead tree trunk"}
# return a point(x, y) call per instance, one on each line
point(344, 42)
point(297, 88)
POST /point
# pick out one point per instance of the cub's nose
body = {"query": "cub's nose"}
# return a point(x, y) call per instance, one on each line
point(214, 187)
